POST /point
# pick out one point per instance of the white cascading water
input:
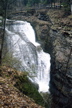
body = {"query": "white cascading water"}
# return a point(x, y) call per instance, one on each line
point(20, 38)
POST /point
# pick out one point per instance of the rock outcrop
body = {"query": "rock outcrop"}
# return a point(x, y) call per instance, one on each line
point(55, 37)
point(61, 64)
point(61, 70)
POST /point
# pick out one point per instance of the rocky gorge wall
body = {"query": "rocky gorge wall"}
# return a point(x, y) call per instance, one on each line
point(57, 41)
point(61, 71)
point(59, 45)
point(61, 64)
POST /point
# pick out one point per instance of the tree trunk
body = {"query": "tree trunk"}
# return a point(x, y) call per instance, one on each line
point(54, 3)
point(2, 40)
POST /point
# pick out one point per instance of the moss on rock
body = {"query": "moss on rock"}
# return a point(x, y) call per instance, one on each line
point(26, 87)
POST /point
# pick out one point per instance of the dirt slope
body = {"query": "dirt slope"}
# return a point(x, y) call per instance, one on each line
point(11, 97)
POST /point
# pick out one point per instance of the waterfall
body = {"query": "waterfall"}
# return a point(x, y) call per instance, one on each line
point(20, 38)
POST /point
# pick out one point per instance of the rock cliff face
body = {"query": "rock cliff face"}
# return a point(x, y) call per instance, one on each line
point(59, 44)
point(57, 41)
point(61, 70)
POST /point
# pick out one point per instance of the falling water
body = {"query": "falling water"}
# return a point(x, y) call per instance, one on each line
point(21, 41)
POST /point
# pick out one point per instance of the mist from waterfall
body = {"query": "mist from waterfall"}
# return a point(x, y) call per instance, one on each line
point(20, 38)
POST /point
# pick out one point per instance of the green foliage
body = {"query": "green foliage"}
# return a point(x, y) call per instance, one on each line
point(44, 1)
point(1, 18)
point(26, 87)
point(6, 5)
point(11, 61)
point(25, 2)
point(1, 21)
point(66, 5)
point(48, 98)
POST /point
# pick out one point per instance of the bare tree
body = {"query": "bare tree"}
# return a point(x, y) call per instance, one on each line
point(4, 4)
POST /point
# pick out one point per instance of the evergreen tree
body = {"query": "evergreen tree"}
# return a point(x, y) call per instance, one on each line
point(67, 6)
point(25, 2)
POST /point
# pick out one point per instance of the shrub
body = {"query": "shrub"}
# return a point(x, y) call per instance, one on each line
point(11, 61)
point(26, 87)
point(66, 8)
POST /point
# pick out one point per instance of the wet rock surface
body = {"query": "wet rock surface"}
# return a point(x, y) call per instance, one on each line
point(61, 68)
point(61, 84)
